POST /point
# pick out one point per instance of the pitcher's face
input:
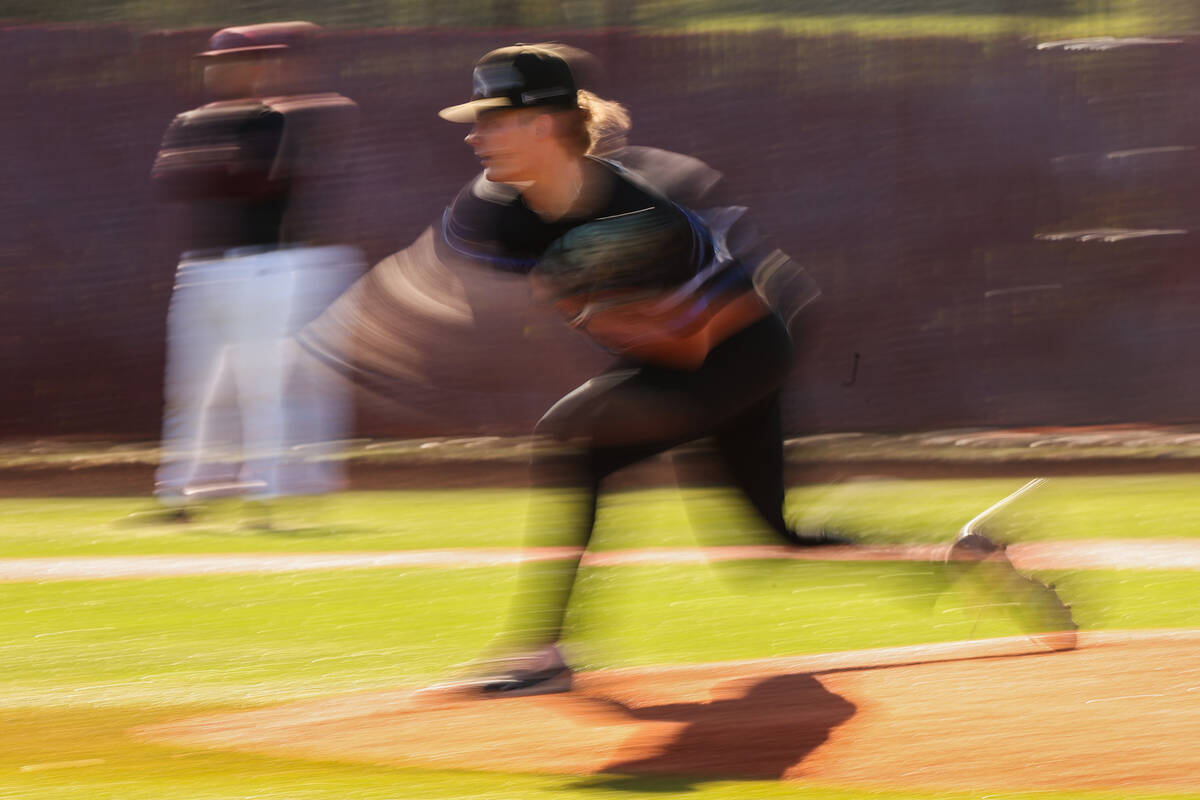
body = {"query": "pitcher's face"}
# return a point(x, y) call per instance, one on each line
point(505, 141)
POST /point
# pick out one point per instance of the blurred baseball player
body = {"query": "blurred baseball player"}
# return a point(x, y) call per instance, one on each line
point(259, 168)
point(699, 353)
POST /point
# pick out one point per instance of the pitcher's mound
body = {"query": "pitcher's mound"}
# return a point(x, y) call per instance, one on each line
point(1123, 711)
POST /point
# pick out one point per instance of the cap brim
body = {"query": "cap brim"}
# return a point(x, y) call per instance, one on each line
point(237, 51)
point(468, 112)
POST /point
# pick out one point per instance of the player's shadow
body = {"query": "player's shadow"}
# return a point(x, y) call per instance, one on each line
point(276, 530)
point(754, 729)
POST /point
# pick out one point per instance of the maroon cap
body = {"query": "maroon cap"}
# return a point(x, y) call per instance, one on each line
point(261, 38)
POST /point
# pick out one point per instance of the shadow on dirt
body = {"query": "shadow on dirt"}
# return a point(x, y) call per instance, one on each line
point(750, 729)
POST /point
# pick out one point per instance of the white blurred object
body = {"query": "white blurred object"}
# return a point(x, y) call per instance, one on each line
point(240, 406)
point(1102, 43)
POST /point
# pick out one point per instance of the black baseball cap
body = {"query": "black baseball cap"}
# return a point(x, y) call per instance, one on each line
point(520, 76)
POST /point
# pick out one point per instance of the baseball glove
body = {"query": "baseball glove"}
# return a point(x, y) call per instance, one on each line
point(637, 255)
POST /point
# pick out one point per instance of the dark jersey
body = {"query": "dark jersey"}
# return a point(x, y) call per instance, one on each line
point(317, 159)
point(219, 159)
point(260, 172)
point(633, 239)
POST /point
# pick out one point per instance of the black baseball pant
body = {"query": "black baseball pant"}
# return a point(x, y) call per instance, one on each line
point(634, 411)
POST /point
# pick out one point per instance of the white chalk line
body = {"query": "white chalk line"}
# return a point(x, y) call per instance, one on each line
point(1127, 554)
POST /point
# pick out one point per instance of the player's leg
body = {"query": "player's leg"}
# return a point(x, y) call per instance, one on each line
point(210, 472)
point(1034, 604)
point(751, 448)
point(566, 476)
point(562, 513)
point(187, 362)
point(739, 390)
point(631, 413)
point(197, 333)
point(319, 416)
point(614, 420)
point(258, 362)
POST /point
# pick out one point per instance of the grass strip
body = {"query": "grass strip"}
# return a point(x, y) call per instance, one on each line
point(251, 640)
point(884, 511)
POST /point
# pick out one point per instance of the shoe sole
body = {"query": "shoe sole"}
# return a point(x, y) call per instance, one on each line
point(557, 683)
point(478, 688)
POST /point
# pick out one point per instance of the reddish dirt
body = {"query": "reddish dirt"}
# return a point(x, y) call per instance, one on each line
point(1121, 712)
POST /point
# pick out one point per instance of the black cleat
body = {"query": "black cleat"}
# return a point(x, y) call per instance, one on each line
point(973, 546)
point(166, 515)
point(820, 538)
point(526, 683)
point(541, 672)
point(1042, 614)
point(1035, 606)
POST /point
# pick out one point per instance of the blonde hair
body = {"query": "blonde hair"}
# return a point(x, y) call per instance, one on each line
point(598, 127)
point(608, 123)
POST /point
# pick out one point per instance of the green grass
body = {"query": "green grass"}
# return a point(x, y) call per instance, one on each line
point(1124, 17)
point(883, 511)
point(88, 661)
point(1108, 507)
point(959, 26)
point(85, 662)
point(350, 521)
point(259, 639)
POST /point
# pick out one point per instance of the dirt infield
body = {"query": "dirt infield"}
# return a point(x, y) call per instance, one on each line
point(989, 714)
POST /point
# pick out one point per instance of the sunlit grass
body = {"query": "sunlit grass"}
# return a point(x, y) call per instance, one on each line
point(260, 639)
point(960, 26)
point(1123, 18)
point(890, 511)
point(88, 662)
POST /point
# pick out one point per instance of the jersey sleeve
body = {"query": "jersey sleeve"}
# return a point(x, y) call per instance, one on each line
point(683, 179)
point(219, 154)
point(480, 223)
point(318, 160)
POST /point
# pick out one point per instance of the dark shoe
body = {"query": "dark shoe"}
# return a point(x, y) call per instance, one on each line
point(525, 683)
point(1045, 618)
point(973, 546)
point(166, 515)
point(1034, 605)
point(541, 672)
point(821, 538)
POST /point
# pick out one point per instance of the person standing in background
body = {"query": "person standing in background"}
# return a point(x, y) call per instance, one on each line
point(260, 169)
